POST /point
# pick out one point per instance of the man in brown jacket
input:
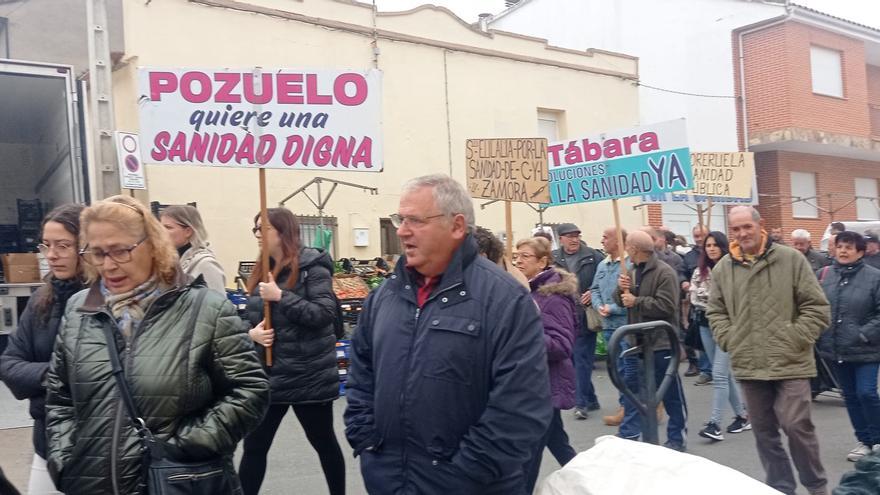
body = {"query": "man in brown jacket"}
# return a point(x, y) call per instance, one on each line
point(650, 293)
point(766, 310)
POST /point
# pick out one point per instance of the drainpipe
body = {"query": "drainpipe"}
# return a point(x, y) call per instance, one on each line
point(484, 22)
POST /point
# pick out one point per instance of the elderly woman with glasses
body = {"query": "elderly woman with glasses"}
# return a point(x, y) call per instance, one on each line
point(186, 357)
point(25, 362)
point(557, 295)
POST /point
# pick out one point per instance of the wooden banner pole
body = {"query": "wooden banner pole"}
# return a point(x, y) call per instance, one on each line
point(700, 216)
point(508, 226)
point(264, 257)
point(620, 246)
point(709, 214)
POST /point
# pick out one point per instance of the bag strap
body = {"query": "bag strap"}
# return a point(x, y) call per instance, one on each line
point(119, 372)
point(824, 272)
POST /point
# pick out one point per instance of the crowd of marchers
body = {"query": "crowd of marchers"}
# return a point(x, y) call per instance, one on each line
point(462, 362)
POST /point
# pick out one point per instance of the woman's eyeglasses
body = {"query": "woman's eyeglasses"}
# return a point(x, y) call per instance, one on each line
point(61, 249)
point(96, 257)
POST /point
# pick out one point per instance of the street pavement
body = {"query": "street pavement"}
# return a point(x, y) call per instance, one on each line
point(294, 467)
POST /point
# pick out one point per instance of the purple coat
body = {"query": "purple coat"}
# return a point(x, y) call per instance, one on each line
point(555, 292)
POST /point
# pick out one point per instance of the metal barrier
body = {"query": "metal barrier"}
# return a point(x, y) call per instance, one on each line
point(650, 395)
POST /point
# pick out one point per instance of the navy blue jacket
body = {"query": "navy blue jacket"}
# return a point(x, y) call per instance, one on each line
point(854, 293)
point(452, 397)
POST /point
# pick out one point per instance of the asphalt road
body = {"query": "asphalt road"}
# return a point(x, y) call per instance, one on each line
point(294, 467)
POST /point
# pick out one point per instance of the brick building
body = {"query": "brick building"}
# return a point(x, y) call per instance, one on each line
point(808, 88)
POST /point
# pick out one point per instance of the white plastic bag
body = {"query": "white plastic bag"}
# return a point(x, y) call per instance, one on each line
point(614, 466)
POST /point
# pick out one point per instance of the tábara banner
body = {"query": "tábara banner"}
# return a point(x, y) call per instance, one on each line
point(651, 159)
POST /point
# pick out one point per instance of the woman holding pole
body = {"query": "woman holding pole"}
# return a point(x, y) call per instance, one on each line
point(303, 374)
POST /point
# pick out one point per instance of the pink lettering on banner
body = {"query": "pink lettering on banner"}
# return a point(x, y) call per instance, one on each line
point(289, 88)
point(312, 96)
point(228, 82)
point(222, 149)
point(360, 86)
point(249, 91)
point(162, 82)
point(202, 81)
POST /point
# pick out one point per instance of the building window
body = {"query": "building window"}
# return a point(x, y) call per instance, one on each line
point(4, 38)
point(548, 125)
point(309, 226)
point(803, 188)
point(389, 241)
point(866, 199)
point(826, 67)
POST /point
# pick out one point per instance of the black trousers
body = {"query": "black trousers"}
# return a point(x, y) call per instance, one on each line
point(317, 421)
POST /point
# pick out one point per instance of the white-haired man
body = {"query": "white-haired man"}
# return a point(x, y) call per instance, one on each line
point(800, 240)
point(448, 388)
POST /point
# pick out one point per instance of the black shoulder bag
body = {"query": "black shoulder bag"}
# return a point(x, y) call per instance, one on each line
point(164, 475)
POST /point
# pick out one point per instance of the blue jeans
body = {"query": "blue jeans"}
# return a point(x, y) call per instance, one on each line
point(632, 367)
point(673, 401)
point(724, 386)
point(704, 363)
point(859, 384)
point(584, 355)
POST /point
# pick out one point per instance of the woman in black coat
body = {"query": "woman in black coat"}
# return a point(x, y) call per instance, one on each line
point(303, 373)
point(24, 364)
point(852, 342)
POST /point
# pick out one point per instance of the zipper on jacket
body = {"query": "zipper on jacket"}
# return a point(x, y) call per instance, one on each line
point(402, 404)
point(194, 476)
point(126, 362)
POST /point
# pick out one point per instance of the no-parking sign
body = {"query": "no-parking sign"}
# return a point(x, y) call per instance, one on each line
point(131, 169)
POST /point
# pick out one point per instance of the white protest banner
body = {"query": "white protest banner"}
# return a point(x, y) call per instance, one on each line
point(327, 120)
point(131, 170)
point(650, 159)
point(508, 169)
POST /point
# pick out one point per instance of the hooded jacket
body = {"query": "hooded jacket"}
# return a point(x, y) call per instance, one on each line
point(200, 389)
point(767, 312)
point(304, 369)
point(453, 396)
point(197, 261)
point(854, 293)
point(556, 294)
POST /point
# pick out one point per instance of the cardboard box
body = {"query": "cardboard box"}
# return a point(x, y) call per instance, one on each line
point(21, 268)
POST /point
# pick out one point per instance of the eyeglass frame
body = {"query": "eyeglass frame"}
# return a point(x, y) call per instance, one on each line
point(259, 229)
point(516, 256)
point(86, 251)
point(44, 249)
point(398, 220)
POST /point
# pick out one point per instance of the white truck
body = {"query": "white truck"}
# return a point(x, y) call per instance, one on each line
point(41, 158)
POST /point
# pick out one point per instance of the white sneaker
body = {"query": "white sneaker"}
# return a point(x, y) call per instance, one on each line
point(857, 453)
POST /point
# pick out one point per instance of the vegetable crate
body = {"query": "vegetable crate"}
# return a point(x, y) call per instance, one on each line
point(343, 348)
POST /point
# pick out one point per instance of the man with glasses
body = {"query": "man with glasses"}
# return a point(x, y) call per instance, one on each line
point(448, 389)
point(574, 256)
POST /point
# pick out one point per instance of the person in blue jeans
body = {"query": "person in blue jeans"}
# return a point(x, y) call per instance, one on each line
point(725, 388)
point(650, 292)
point(575, 257)
point(613, 315)
point(852, 342)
